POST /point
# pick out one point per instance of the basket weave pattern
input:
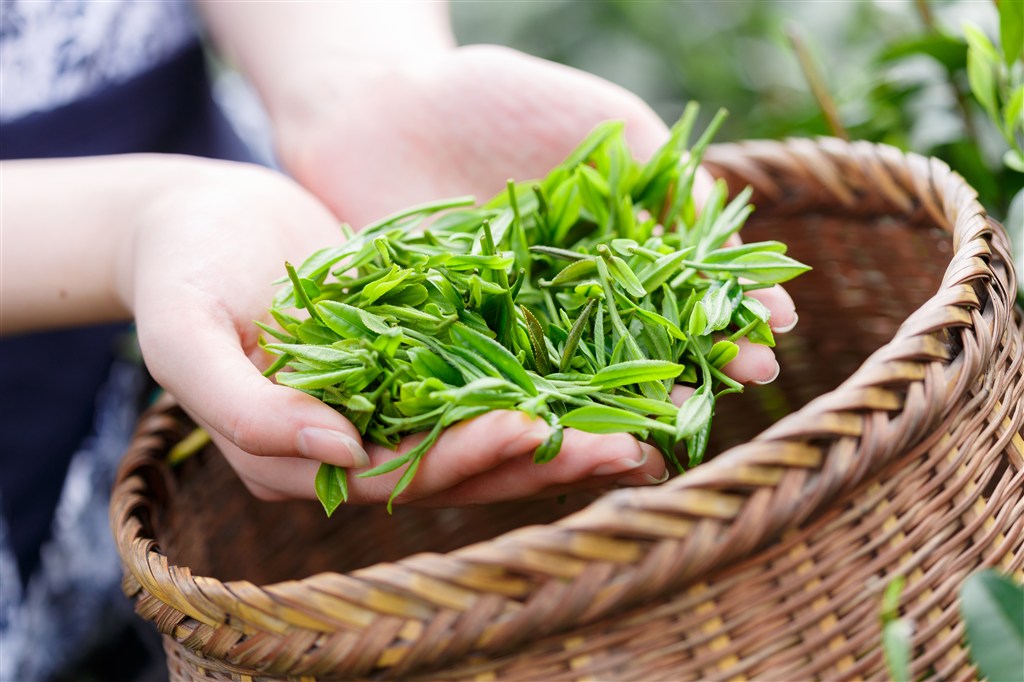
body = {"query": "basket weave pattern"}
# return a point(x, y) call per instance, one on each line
point(766, 562)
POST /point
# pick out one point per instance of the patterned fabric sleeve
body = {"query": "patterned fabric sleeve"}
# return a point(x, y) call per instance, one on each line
point(56, 51)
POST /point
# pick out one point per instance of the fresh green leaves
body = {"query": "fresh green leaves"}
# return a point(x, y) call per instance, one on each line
point(579, 299)
point(993, 610)
point(331, 486)
point(992, 607)
point(897, 633)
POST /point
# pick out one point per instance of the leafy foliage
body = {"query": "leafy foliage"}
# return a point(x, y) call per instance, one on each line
point(992, 606)
point(580, 299)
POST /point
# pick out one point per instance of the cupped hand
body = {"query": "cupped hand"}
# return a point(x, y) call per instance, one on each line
point(379, 137)
point(203, 260)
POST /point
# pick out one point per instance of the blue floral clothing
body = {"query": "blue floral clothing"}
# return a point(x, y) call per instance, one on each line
point(81, 78)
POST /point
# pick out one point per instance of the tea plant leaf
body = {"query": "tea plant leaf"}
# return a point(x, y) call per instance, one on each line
point(993, 610)
point(762, 266)
point(494, 353)
point(575, 334)
point(331, 485)
point(635, 372)
point(896, 633)
point(693, 414)
point(604, 419)
point(551, 446)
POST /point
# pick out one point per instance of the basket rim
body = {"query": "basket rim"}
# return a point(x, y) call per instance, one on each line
point(766, 485)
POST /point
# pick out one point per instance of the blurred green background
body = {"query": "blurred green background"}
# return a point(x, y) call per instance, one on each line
point(896, 72)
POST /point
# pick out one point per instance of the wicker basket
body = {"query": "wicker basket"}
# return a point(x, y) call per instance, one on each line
point(891, 445)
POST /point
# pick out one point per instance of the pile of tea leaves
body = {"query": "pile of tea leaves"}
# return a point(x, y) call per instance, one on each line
point(581, 299)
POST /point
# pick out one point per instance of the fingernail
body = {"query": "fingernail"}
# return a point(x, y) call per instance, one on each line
point(643, 479)
point(333, 447)
point(621, 466)
point(531, 437)
point(773, 377)
point(537, 431)
point(788, 327)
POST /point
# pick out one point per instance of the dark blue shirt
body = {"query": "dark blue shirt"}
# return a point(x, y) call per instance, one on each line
point(49, 381)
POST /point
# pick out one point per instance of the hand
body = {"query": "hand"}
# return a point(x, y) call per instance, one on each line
point(380, 136)
point(203, 259)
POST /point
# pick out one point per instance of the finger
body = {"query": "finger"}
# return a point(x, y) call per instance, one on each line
point(754, 364)
point(702, 184)
point(585, 461)
point(216, 382)
point(463, 451)
point(781, 306)
point(680, 393)
point(270, 479)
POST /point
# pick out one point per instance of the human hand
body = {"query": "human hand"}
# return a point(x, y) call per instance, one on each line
point(380, 135)
point(203, 257)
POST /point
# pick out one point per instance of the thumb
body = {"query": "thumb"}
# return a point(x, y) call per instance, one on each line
point(218, 384)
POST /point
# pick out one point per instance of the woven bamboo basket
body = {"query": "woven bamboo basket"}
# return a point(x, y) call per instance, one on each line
point(891, 445)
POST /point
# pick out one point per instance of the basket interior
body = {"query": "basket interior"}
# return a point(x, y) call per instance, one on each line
point(868, 276)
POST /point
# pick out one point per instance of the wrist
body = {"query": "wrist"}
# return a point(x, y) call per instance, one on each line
point(70, 226)
point(298, 54)
point(168, 190)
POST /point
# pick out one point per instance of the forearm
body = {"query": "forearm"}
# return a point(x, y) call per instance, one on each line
point(68, 233)
point(291, 51)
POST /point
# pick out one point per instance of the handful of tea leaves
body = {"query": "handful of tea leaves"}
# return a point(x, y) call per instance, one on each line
point(579, 299)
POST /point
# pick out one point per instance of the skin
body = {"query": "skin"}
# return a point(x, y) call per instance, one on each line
point(369, 116)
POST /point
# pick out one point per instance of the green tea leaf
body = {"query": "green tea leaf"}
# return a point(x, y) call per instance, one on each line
point(594, 193)
point(318, 378)
point(300, 289)
point(759, 310)
point(604, 419)
point(1011, 30)
point(482, 262)
point(1013, 116)
point(276, 333)
point(698, 321)
point(727, 255)
point(575, 334)
point(322, 356)
point(717, 306)
point(639, 404)
point(331, 486)
point(551, 446)
point(660, 271)
point(896, 645)
point(992, 606)
point(414, 457)
point(896, 633)
point(536, 336)
point(603, 267)
point(982, 61)
point(722, 353)
point(655, 318)
point(635, 372)
point(763, 266)
point(950, 52)
point(555, 252)
point(697, 444)
point(694, 413)
point(351, 322)
point(599, 136)
point(729, 221)
point(494, 353)
point(575, 272)
point(625, 277)
point(564, 209)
